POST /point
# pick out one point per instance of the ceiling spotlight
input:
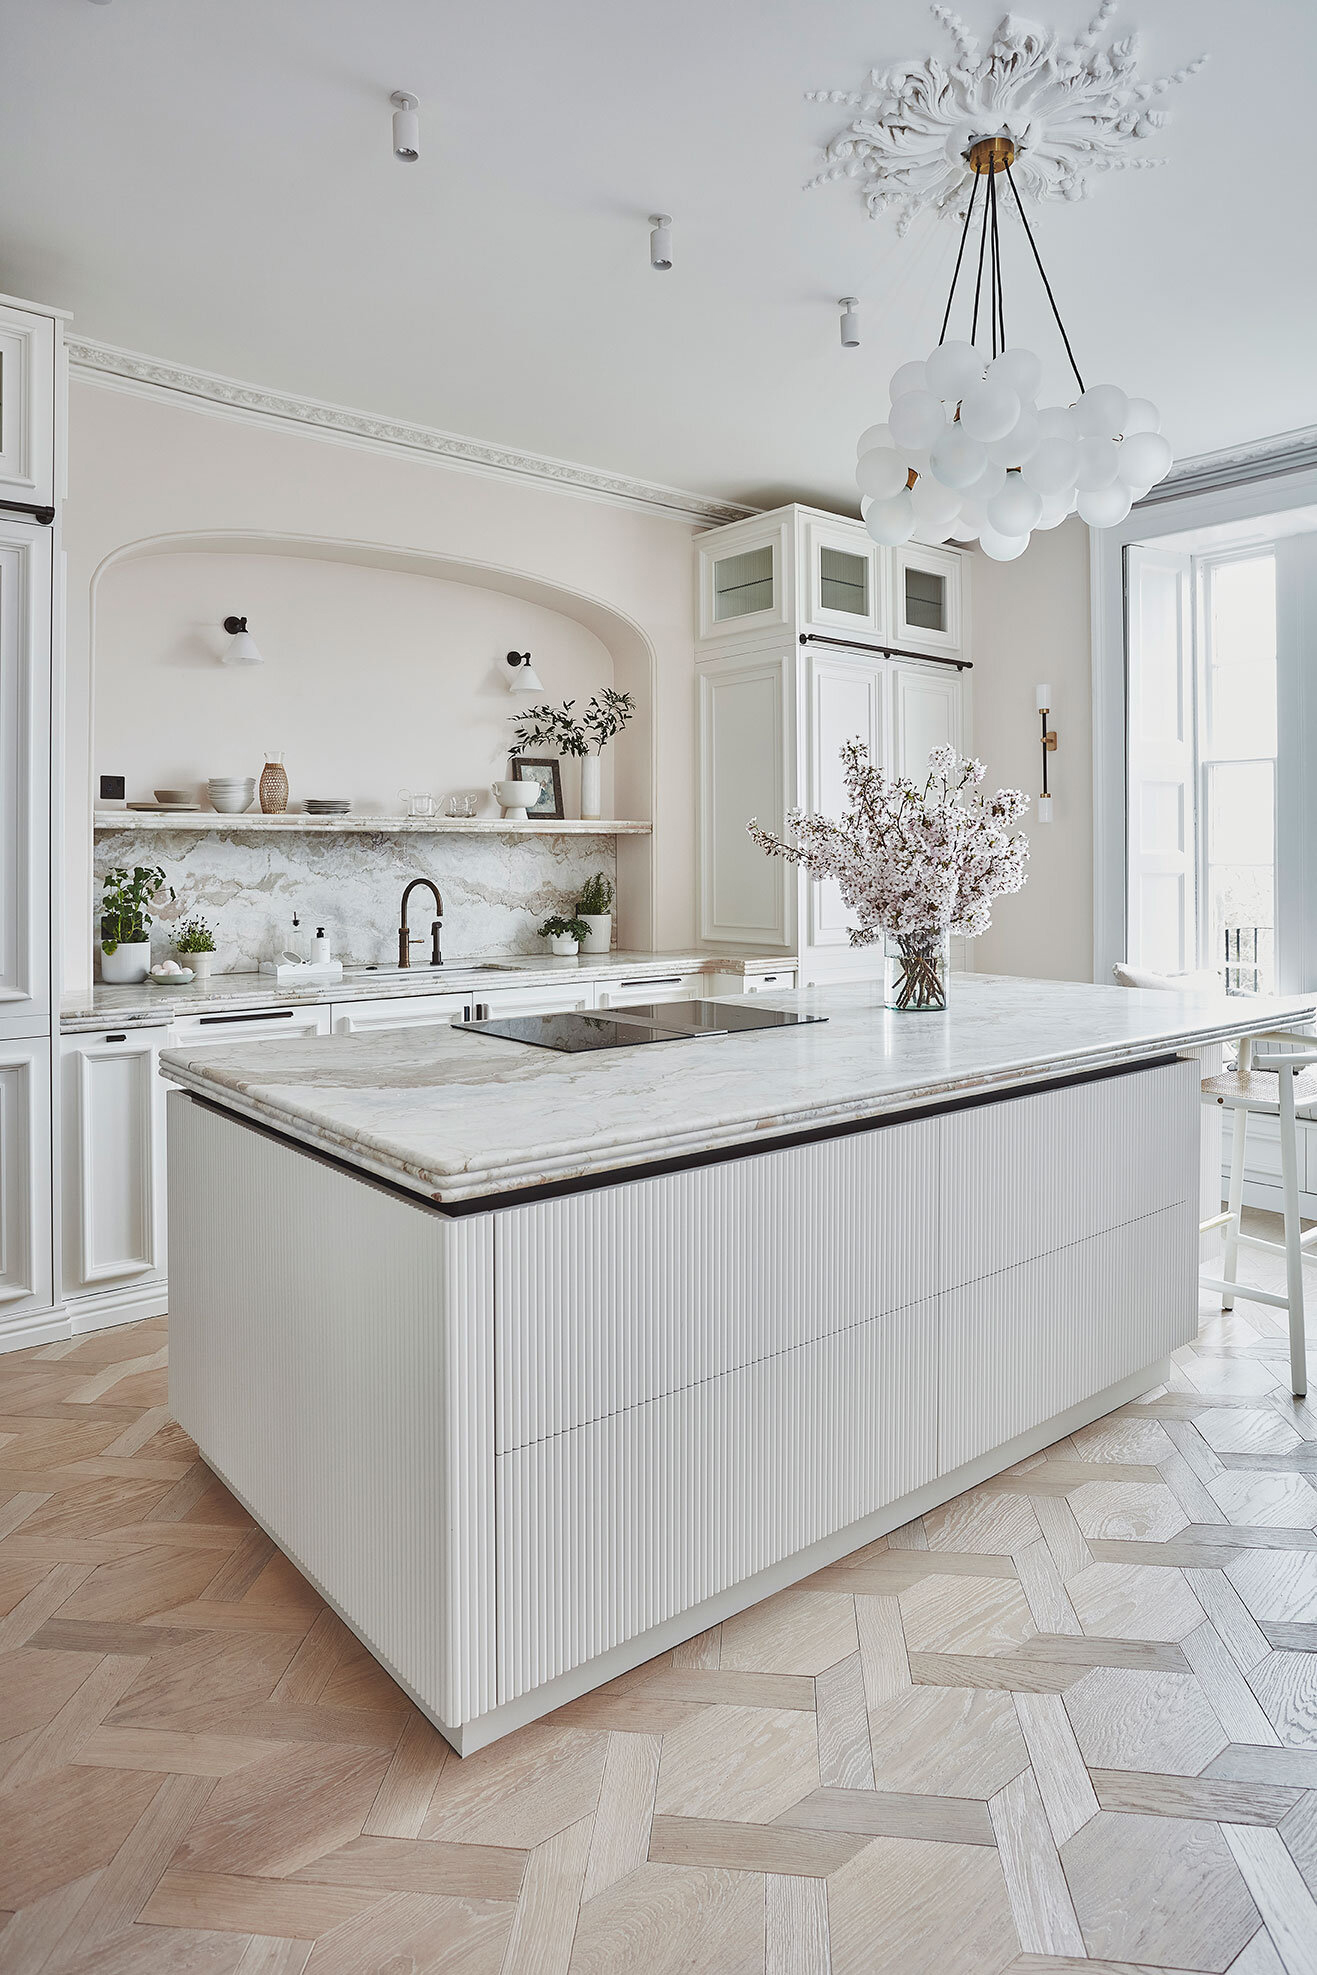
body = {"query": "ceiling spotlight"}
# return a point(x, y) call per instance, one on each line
point(242, 648)
point(660, 242)
point(406, 127)
point(523, 678)
point(850, 322)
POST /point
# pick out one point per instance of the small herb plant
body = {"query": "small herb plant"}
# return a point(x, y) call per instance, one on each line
point(556, 927)
point(194, 936)
point(596, 896)
point(125, 896)
point(560, 728)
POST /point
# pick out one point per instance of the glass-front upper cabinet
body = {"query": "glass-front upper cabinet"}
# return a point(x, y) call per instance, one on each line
point(27, 407)
point(926, 600)
point(844, 578)
point(744, 579)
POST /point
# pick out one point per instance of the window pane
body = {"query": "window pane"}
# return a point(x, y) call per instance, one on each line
point(844, 582)
point(925, 599)
point(1241, 675)
point(743, 583)
point(1241, 875)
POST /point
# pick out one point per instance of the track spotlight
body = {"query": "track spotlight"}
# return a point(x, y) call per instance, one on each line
point(850, 322)
point(660, 242)
point(406, 127)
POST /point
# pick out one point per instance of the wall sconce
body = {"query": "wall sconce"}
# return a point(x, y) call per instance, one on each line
point(522, 676)
point(242, 648)
point(1043, 698)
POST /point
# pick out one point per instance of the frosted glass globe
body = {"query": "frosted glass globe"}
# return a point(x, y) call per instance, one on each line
point(1058, 422)
point(910, 377)
point(933, 535)
point(917, 419)
point(1101, 411)
point(1103, 507)
point(873, 435)
point(989, 411)
point(958, 460)
point(891, 522)
point(933, 503)
point(1142, 415)
point(952, 369)
point(1052, 466)
point(1143, 458)
point(1055, 509)
point(881, 473)
point(1097, 465)
point(1019, 370)
point(1015, 510)
point(972, 518)
point(1020, 442)
point(1002, 548)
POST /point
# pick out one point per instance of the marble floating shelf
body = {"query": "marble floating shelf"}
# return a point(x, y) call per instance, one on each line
point(123, 821)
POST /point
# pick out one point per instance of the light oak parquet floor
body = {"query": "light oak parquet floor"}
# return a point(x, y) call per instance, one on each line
point(1066, 1722)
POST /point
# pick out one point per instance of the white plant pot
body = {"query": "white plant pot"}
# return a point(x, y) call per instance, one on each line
point(600, 936)
point(128, 964)
point(563, 946)
point(200, 965)
point(591, 786)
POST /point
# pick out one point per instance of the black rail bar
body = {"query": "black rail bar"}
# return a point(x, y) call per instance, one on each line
point(885, 651)
point(45, 515)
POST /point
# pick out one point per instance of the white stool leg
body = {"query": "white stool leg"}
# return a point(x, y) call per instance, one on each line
point(1289, 1168)
point(1235, 1202)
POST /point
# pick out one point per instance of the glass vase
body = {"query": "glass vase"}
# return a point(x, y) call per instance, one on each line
point(274, 786)
point(916, 970)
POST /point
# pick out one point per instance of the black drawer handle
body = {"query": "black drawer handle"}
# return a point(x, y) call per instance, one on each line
point(660, 980)
point(273, 1015)
point(119, 1038)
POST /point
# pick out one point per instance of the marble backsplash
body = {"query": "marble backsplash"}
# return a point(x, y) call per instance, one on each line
point(496, 890)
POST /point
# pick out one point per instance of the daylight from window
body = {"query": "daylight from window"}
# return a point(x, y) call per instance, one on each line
point(1237, 771)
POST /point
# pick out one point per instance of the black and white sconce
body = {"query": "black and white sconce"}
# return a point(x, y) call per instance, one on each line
point(522, 676)
point(660, 242)
point(1043, 698)
point(850, 322)
point(242, 648)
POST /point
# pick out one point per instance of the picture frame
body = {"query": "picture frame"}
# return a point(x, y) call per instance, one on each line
point(548, 805)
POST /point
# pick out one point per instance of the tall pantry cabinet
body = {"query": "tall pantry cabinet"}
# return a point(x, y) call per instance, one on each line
point(810, 635)
point(32, 401)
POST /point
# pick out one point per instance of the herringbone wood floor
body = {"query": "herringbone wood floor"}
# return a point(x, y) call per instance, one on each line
point(1067, 1722)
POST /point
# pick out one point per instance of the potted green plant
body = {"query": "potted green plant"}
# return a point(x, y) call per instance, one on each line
point(594, 908)
point(564, 935)
point(585, 737)
point(125, 921)
point(194, 943)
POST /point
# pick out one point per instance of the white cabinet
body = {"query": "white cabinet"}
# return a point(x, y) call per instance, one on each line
point(846, 703)
point(25, 662)
point(846, 579)
point(569, 995)
point(404, 1011)
point(658, 987)
point(271, 1024)
point(28, 378)
point(25, 1202)
point(747, 746)
point(927, 601)
point(747, 576)
point(113, 1159)
point(927, 712)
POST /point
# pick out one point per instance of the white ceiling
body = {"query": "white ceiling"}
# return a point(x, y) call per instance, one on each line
point(211, 181)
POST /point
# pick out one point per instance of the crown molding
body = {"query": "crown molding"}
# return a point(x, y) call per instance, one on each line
point(204, 390)
point(1235, 466)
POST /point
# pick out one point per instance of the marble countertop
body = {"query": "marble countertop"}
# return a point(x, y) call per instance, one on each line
point(456, 1116)
point(144, 1006)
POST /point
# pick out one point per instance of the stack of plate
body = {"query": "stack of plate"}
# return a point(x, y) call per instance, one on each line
point(327, 805)
point(231, 794)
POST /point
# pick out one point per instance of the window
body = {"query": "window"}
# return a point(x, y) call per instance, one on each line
point(1237, 770)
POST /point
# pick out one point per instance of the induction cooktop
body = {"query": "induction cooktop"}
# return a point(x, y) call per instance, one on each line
point(628, 1028)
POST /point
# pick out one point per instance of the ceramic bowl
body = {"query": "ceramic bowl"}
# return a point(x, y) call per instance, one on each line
point(231, 804)
point(173, 795)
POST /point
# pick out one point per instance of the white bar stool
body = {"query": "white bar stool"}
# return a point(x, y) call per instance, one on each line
point(1286, 1088)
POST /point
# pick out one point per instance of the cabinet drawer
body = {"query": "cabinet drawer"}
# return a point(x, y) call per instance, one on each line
point(659, 987)
point(572, 995)
point(776, 983)
point(219, 1031)
point(610, 1529)
point(404, 1011)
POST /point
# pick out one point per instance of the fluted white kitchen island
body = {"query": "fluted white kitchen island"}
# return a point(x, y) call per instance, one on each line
point(538, 1363)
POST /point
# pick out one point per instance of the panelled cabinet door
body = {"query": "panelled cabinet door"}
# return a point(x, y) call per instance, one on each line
point(845, 704)
point(407, 1011)
point(926, 600)
point(745, 581)
point(746, 743)
point(926, 713)
point(844, 577)
point(113, 1104)
point(27, 408)
point(25, 604)
point(26, 1271)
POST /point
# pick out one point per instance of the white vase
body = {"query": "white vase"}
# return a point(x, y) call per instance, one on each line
point(600, 936)
point(564, 947)
point(128, 964)
point(200, 965)
point(591, 795)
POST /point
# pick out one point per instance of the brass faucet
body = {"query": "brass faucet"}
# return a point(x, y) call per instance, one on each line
point(405, 940)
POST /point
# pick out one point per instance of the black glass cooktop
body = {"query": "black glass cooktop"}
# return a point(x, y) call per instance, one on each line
point(627, 1028)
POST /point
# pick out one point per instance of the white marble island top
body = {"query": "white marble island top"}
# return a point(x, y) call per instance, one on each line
point(457, 1117)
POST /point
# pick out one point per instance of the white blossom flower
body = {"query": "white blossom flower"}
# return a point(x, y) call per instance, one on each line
point(913, 863)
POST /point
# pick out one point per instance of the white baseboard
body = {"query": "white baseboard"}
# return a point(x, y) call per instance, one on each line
point(80, 1314)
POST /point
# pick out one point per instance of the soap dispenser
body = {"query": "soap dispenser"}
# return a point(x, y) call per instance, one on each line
point(320, 948)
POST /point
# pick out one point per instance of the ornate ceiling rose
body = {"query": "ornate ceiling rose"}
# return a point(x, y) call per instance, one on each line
point(1071, 109)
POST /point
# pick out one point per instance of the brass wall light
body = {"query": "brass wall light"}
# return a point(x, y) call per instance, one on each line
point(1043, 699)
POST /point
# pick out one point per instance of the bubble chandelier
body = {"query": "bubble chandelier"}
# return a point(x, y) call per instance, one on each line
point(967, 452)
